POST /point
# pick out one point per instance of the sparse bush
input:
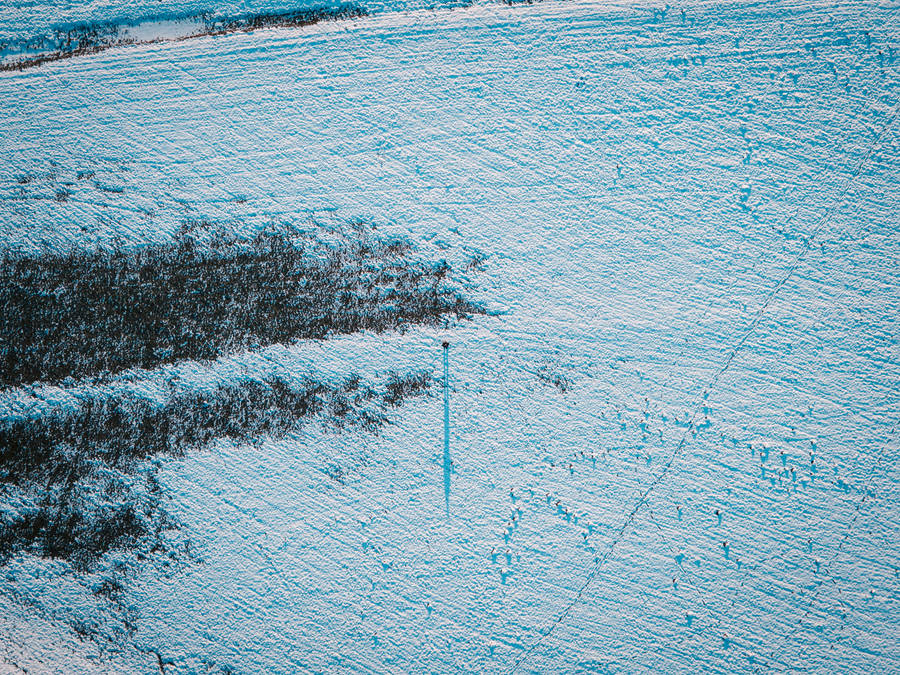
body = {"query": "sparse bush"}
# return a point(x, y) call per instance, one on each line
point(553, 375)
point(400, 387)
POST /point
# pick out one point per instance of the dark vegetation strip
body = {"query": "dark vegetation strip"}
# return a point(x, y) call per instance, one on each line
point(91, 313)
point(291, 18)
point(81, 481)
point(91, 38)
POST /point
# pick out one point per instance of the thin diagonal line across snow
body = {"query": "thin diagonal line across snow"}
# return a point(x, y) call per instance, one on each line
point(807, 245)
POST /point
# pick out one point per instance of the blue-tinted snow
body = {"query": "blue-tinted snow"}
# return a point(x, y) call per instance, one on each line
point(692, 217)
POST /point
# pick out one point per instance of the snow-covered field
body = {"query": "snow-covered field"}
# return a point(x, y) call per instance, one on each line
point(674, 437)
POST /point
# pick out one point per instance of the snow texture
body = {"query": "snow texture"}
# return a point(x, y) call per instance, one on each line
point(673, 438)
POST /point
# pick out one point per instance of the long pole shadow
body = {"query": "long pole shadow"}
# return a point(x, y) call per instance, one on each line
point(447, 427)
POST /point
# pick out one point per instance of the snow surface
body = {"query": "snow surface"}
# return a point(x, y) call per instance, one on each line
point(691, 217)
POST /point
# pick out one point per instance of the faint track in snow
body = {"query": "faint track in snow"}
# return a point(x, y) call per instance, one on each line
point(692, 426)
point(826, 576)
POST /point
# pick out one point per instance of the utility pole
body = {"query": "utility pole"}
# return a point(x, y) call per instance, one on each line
point(447, 427)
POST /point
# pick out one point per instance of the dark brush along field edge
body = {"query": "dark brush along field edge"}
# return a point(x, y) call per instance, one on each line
point(92, 38)
point(93, 313)
point(81, 481)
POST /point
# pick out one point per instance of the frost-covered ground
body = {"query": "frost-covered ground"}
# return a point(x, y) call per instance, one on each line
point(674, 440)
